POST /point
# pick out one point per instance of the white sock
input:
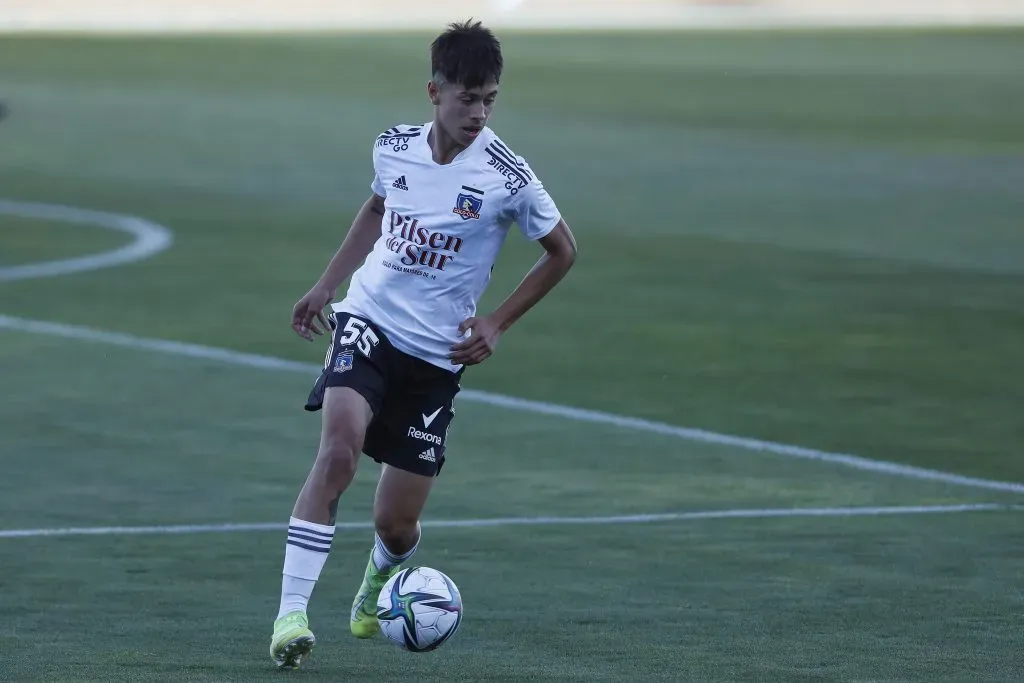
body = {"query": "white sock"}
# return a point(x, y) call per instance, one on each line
point(295, 594)
point(304, 556)
point(385, 560)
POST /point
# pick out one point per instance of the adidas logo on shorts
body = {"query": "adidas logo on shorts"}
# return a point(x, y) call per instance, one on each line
point(428, 455)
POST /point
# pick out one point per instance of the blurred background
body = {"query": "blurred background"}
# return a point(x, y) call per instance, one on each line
point(801, 231)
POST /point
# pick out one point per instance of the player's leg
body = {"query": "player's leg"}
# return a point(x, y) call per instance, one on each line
point(350, 392)
point(409, 437)
point(346, 415)
point(397, 507)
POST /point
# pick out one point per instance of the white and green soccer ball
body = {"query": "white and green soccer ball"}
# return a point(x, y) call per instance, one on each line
point(419, 608)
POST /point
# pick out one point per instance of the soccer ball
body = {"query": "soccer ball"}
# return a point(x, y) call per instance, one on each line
point(419, 608)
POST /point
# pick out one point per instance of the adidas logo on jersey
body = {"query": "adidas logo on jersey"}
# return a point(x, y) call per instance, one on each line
point(400, 183)
point(428, 455)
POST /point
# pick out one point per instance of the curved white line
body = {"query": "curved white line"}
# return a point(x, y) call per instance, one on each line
point(756, 513)
point(150, 238)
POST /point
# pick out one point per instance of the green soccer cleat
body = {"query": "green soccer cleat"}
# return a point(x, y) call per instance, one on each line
point(364, 608)
point(292, 640)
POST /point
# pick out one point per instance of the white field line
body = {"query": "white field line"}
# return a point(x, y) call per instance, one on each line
point(150, 239)
point(765, 513)
point(539, 407)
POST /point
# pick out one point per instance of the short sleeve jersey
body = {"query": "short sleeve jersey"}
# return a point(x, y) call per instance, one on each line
point(442, 229)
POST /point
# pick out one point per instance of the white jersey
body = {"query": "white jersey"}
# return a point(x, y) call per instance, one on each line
point(443, 227)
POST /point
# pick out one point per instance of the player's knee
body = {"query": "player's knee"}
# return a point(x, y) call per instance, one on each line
point(340, 459)
point(396, 530)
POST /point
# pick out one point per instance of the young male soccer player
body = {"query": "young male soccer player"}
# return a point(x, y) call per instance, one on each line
point(445, 195)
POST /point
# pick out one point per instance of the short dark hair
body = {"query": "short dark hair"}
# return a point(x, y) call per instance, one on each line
point(467, 54)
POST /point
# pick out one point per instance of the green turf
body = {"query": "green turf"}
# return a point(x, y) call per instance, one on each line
point(812, 237)
point(31, 241)
point(923, 599)
point(723, 599)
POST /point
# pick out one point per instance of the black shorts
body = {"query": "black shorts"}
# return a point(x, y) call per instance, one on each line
point(412, 400)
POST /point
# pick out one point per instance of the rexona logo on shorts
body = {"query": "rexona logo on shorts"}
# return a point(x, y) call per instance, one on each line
point(425, 436)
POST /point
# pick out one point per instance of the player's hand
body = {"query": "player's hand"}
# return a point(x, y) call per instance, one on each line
point(310, 309)
point(481, 342)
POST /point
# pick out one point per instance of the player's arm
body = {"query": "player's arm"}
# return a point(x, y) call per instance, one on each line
point(357, 244)
point(559, 256)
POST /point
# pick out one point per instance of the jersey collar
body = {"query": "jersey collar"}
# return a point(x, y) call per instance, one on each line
point(462, 156)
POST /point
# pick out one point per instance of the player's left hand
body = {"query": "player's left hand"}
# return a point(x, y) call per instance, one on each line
point(480, 345)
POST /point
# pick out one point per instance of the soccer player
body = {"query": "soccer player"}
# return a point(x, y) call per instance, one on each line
point(445, 195)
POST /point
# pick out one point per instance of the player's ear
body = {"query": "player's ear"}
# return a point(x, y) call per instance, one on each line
point(434, 93)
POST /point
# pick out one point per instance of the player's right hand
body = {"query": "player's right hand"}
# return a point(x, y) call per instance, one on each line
point(310, 309)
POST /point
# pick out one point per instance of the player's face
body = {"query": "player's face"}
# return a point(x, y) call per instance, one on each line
point(463, 112)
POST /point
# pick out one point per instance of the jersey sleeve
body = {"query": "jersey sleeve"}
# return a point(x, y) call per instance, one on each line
point(535, 212)
point(377, 186)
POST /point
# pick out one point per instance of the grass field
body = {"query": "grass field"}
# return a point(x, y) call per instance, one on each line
point(810, 238)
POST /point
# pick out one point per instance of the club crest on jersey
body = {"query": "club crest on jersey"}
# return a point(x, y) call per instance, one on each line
point(468, 206)
point(343, 363)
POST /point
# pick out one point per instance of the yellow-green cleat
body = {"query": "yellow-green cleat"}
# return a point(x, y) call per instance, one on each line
point(292, 640)
point(364, 622)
